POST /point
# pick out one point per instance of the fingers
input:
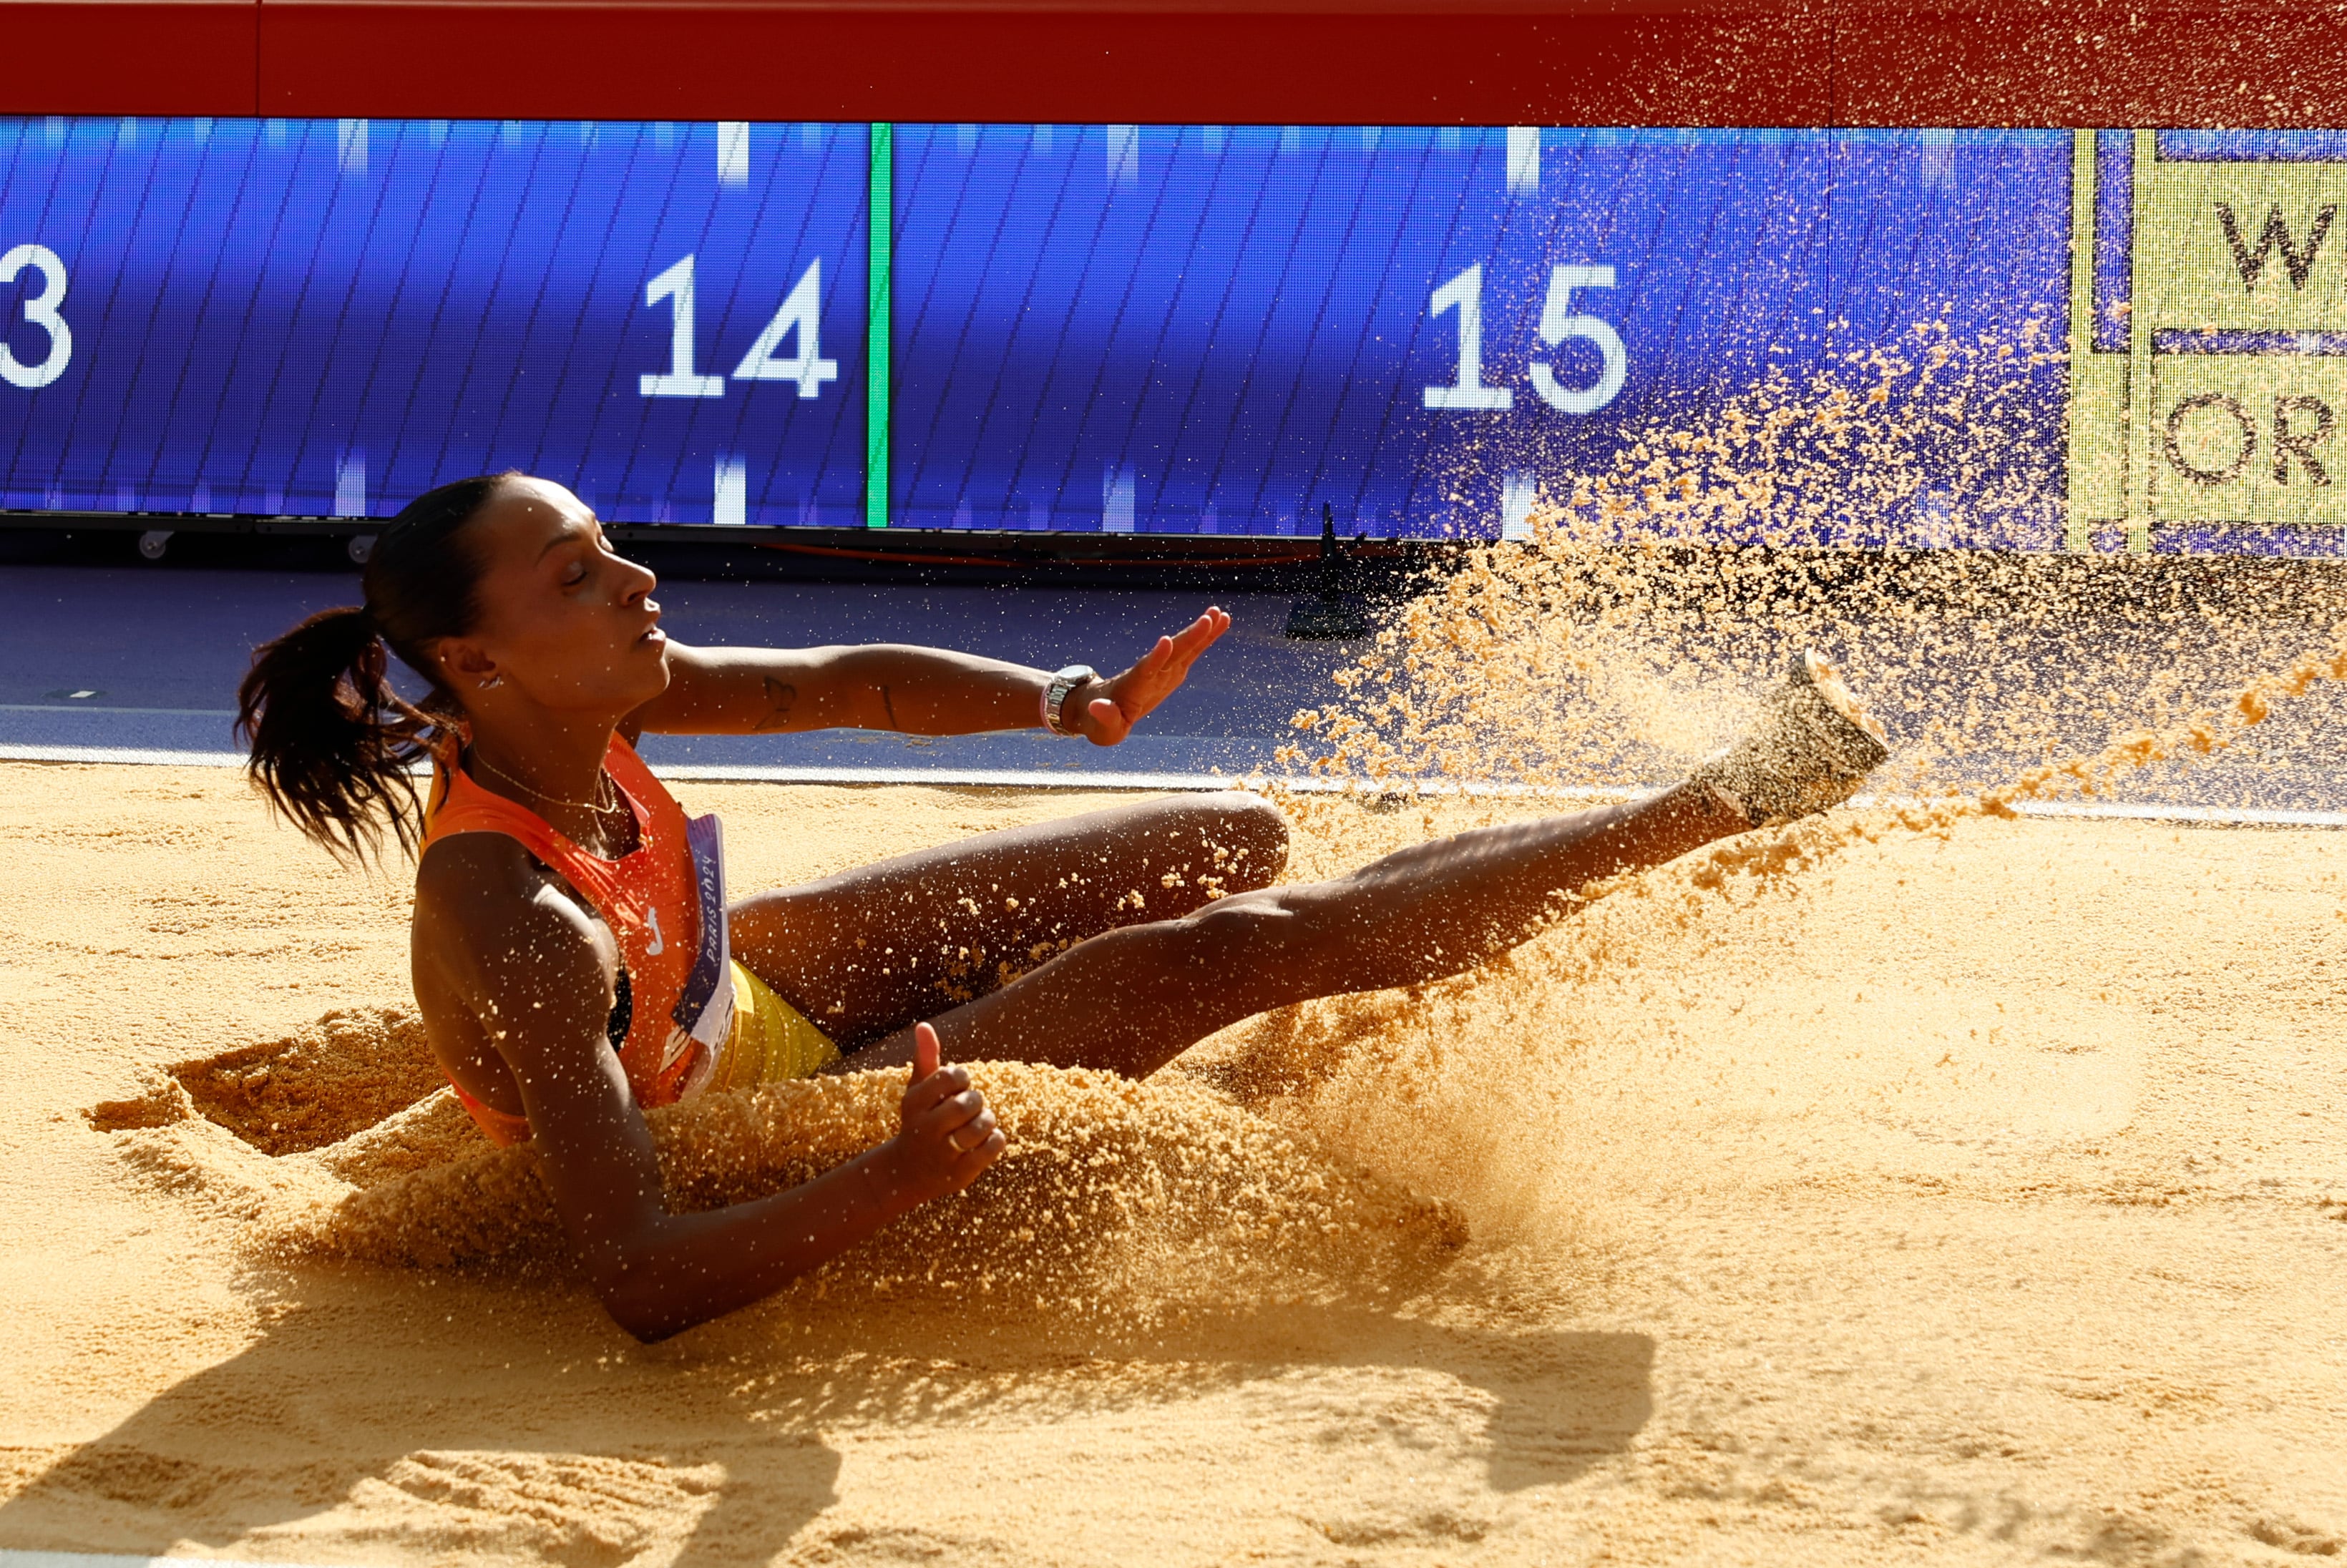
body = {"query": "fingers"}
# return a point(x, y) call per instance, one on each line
point(1153, 662)
point(952, 1119)
point(1195, 639)
point(1152, 677)
point(959, 1137)
point(1187, 643)
point(925, 1094)
point(1199, 634)
point(972, 1165)
point(948, 1144)
point(947, 1132)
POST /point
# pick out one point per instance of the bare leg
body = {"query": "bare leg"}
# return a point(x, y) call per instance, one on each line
point(870, 951)
point(1132, 999)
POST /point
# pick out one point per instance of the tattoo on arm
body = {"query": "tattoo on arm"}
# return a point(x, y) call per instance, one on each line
point(780, 696)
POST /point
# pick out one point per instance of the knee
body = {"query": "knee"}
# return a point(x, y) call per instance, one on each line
point(1247, 837)
point(1196, 972)
point(1260, 949)
point(1235, 940)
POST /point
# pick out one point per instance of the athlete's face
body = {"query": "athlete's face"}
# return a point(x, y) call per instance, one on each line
point(565, 623)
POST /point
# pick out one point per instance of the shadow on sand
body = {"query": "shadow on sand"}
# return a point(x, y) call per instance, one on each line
point(404, 1415)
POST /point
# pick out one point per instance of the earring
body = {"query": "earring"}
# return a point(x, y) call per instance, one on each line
point(490, 681)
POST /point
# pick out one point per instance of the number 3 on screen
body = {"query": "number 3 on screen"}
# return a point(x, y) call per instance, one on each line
point(40, 311)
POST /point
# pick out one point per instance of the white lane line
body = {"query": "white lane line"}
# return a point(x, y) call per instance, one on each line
point(1040, 778)
point(957, 777)
point(2225, 816)
point(109, 708)
point(9, 1559)
point(1003, 778)
point(144, 756)
point(945, 778)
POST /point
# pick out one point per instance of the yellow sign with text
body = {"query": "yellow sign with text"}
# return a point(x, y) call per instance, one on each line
point(2221, 399)
point(2249, 245)
point(2244, 436)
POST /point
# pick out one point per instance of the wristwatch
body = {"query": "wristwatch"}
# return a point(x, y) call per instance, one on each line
point(1055, 696)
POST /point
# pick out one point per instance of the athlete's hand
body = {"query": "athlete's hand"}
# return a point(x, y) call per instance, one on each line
point(1113, 706)
point(946, 1136)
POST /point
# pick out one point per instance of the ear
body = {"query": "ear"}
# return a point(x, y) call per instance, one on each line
point(463, 664)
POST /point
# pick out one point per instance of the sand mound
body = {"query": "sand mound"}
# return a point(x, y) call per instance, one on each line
point(1111, 1190)
point(351, 1069)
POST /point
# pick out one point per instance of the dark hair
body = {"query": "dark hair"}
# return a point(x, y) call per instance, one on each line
point(334, 745)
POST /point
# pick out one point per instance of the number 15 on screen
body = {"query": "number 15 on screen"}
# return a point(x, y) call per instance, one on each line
point(1559, 323)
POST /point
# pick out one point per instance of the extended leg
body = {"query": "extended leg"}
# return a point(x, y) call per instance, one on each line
point(1132, 999)
point(868, 951)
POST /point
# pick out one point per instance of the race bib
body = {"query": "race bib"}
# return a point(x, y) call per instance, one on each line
point(704, 1009)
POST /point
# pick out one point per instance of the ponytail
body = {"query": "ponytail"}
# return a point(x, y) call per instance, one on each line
point(334, 745)
point(332, 742)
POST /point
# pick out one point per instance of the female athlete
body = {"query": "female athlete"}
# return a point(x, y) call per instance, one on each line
point(576, 961)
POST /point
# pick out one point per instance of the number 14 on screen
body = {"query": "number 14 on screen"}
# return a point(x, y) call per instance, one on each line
point(799, 321)
point(1560, 324)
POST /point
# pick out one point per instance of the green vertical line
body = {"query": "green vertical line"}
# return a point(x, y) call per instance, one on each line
point(2074, 534)
point(879, 325)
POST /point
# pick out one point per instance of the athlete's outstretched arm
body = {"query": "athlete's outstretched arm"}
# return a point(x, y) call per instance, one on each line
point(913, 690)
point(538, 976)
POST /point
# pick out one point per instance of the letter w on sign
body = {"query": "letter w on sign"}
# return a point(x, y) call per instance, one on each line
point(2276, 234)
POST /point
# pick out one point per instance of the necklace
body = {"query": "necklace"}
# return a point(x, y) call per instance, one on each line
point(605, 802)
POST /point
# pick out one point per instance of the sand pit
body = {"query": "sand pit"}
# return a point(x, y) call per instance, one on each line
point(1978, 1195)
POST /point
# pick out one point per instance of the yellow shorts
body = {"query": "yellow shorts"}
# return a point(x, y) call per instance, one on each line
point(770, 1041)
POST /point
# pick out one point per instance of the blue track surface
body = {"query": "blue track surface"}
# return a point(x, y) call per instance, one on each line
point(160, 652)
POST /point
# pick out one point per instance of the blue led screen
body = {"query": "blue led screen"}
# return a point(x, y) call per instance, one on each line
point(1192, 329)
point(1215, 330)
point(326, 316)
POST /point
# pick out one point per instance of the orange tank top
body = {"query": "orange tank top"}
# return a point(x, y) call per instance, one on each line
point(664, 902)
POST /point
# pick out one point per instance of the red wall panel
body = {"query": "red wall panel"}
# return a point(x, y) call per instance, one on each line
point(2090, 63)
point(1548, 64)
point(2114, 62)
point(129, 56)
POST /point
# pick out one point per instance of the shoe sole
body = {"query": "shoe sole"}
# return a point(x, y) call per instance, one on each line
point(1820, 674)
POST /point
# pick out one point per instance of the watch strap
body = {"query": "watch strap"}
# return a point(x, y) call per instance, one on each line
point(1055, 696)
